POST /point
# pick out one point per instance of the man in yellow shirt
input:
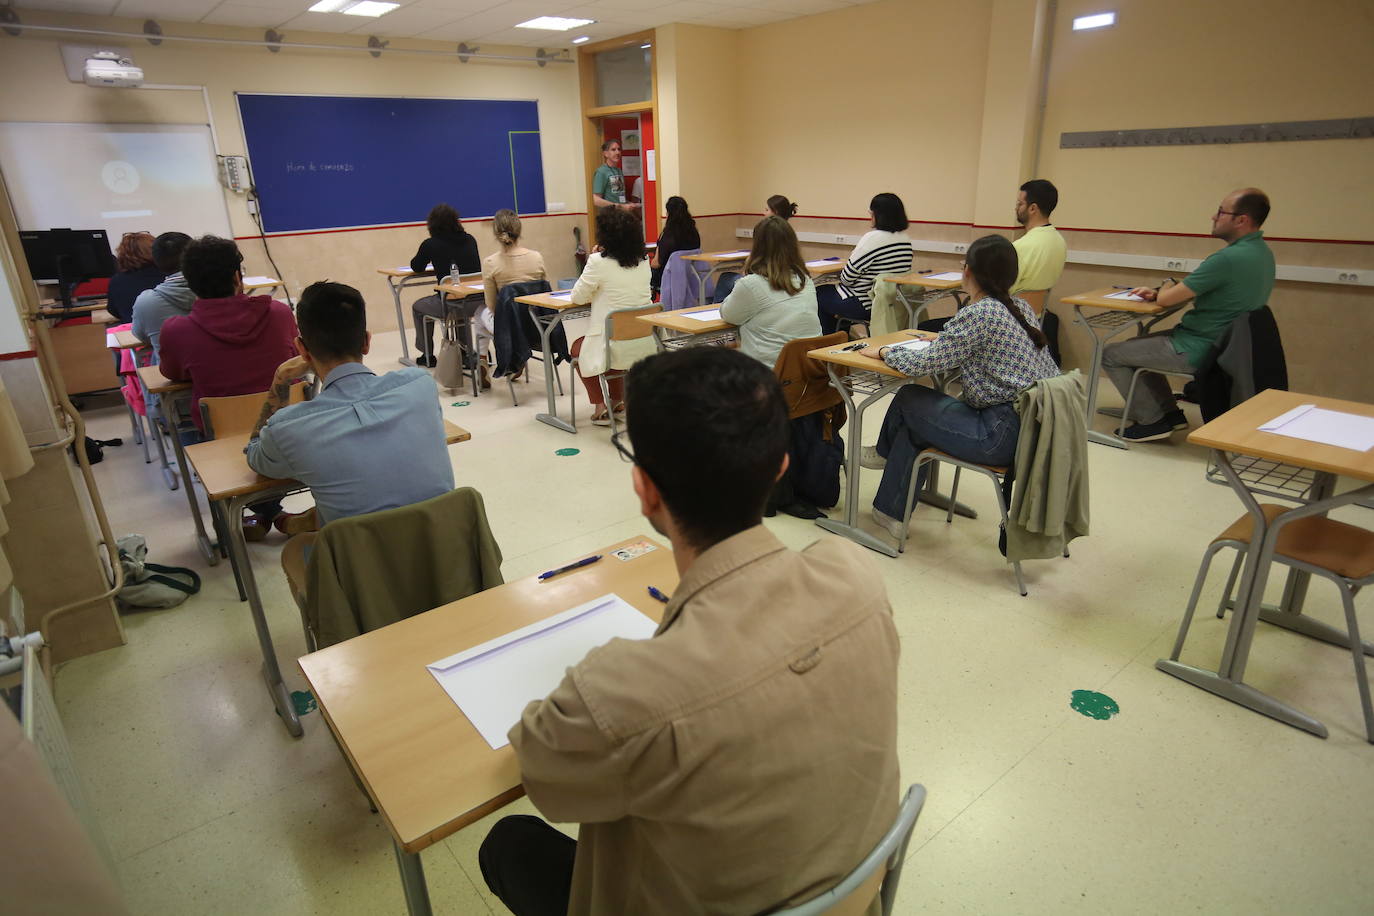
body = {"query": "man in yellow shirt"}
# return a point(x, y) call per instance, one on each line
point(1040, 251)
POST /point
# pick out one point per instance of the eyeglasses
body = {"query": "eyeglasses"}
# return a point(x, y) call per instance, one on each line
point(617, 439)
point(1221, 212)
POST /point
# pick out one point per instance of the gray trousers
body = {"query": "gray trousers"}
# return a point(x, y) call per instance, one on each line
point(1153, 396)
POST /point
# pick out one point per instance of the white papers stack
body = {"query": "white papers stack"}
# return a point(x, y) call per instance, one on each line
point(1125, 294)
point(822, 262)
point(494, 682)
point(258, 281)
point(910, 345)
point(707, 315)
point(947, 275)
point(1329, 427)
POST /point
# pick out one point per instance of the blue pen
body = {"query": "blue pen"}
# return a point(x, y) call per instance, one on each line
point(1123, 287)
point(657, 595)
point(586, 561)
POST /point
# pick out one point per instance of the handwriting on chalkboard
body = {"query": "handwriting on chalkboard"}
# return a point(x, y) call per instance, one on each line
point(293, 168)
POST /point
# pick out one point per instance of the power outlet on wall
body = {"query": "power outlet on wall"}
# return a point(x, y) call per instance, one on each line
point(1172, 264)
point(1349, 278)
point(960, 249)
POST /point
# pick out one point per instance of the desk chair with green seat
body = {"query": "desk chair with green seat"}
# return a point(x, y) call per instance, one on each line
point(877, 876)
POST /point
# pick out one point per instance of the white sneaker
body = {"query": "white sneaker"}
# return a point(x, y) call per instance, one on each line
point(871, 459)
point(889, 524)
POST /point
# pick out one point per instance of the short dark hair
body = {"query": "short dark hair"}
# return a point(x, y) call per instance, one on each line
point(209, 264)
point(702, 412)
point(443, 218)
point(620, 236)
point(332, 319)
point(1041, 193)
point(889, 213)
point(167, 249)
point(607, 144)
point(1253, 203)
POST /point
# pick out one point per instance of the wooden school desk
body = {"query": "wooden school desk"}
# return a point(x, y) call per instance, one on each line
point(231, 485)
point(854, 375)
point(718, 261)
point(825, 270)
point(916, 291)
point(172, 396)
point(563, 309)
point(673, 330)
point(1236, 434)
point(1117, 317)
point(397, 279)
point(428, 771)
point(256, 286)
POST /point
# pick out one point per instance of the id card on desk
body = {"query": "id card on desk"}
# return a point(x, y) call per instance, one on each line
point(630, 551)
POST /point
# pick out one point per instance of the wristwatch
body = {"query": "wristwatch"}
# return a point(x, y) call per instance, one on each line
point(880, 351)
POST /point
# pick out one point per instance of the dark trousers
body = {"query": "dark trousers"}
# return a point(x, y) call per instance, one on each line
point(437, 308)
point(831, 306)
point(528, 865)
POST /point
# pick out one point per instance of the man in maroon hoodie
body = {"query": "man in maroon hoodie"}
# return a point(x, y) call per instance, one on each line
point(230, 344)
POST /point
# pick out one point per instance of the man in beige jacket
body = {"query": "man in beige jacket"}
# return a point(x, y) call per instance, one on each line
point(745, 757)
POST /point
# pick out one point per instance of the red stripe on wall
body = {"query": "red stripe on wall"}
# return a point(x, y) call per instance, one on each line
point(18, 354)
point(478, 219)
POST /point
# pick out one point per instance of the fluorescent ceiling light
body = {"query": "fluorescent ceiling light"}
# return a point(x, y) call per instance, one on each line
point(581, 38)
point(554, 23)
point(646, 45)
point(354, 7)
point(1095, 21)
point(330, 6)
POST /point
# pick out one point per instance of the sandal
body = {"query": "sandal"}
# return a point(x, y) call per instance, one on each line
point(602, 418)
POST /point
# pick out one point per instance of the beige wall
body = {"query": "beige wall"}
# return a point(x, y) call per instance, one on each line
point(38, 90)
point(700, 148)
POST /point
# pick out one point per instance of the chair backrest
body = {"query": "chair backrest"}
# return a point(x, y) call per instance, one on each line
point(1036, 299)
point(805, 384)
point(877, 875)
point(238, 414)
point(681, 283)
point(624, 324)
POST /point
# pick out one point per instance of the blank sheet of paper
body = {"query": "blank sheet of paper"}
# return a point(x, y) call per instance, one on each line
point(910, 345)
point(492, 683)
point(707, 315)
point(257, 281)
point(822, 262)
point(1329, 427)
point(947, 275)
point(1125, 294)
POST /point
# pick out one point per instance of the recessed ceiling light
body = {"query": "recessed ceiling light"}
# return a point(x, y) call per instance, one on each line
point(581, 38)
point(1095, 21)
point(646, 45)
point(553, 23)
point(330, 6)
point(369, 8)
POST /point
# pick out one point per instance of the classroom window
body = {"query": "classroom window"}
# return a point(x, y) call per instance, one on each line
point(624, 75)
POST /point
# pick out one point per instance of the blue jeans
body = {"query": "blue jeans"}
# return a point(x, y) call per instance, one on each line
point(725, 283)
point(265, 511)
point(921, 417)
point(830, 306)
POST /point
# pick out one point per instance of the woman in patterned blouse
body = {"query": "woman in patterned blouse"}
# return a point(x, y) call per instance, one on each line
point(997, 344)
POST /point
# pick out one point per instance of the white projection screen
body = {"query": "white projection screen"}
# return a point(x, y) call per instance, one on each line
point(117, 177)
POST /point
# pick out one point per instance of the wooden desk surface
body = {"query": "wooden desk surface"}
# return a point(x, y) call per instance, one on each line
point(718, 257)
point(559, 301)
point(224, 471)
point(430, 772)
point(821, 267)
point(1237, 430)
point(853, 360)
point(400, 272)
point(55, 310)
point(677, 321)
point(157, 383)
point(460, 289)
point(924, 279)
point(125, 340)
point(1098, 299)
point(260, 283)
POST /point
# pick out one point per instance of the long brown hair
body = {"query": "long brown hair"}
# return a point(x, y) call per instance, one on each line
point(776, 256)
point(135, 250)
point(992, 261)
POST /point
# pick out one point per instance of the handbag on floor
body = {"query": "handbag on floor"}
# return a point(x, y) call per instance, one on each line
point(151, 585)
point(448, 370)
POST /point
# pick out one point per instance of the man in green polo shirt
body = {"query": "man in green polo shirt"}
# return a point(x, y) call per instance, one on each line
point(1235, 280)
point(608, 181)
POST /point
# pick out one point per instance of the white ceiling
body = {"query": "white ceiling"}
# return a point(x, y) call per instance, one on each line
point(472, 21)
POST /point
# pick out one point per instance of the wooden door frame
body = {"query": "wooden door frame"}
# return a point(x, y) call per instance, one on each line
point(591, 112)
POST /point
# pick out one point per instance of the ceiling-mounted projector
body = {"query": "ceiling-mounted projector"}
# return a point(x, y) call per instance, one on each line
point(109, 68)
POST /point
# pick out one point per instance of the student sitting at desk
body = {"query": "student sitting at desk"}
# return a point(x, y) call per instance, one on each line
point(780, 206)
point(775, 301)
point(679, 234)
point(884, 249)
point(616, 276)
point(135, 272)
point(230, 344)
point(365, 442)
point(451, 249)
point(170, 297)
point(1235, 280)
point(999, 346)
point(511, 264)
point(745, 757)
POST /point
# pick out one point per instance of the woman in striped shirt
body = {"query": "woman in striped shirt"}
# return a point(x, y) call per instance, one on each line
point(884, 249)
point(997, 343)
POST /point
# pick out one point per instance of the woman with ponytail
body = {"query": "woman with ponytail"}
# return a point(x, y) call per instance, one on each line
point(512, 263)
point(997, 344)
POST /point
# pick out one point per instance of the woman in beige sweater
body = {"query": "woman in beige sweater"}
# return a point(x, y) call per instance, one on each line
point(511, 264)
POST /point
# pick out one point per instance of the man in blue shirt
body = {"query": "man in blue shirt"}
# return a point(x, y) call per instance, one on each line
point(366, 442)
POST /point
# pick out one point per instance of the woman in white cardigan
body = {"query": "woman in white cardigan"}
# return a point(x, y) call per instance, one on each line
point(616, 277)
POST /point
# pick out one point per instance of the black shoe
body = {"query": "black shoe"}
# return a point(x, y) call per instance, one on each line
point(801, 509)
point(1176, 419)
point(1149, 432)
point(428, 362)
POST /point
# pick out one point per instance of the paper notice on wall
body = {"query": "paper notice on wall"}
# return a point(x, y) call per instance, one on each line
point(630, 165)
point(651, 165)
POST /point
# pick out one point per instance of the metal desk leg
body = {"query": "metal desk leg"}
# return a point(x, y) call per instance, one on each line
point(1094, 374)
point(547, 324)
point(396, 287)
point(208, 548)
point(413, 881)
point(271, 672)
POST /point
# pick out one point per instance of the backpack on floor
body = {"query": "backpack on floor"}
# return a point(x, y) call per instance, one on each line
point(150, 585)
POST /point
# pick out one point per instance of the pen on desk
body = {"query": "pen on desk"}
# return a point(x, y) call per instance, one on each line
point(928, 270)
point(585, 561)
point(657, 595)
point(1123, 287)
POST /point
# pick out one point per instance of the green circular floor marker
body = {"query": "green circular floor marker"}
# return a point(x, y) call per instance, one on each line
point(1094, 705)
point(460, 403)
point(304, 701)
point(565, 452)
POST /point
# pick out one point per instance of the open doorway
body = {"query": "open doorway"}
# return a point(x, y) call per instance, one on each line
point(638, 160)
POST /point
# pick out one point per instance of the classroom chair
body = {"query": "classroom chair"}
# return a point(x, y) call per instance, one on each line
point(1308, 543)
point(517, 336)
point(621, 324)
point(457, 325)
point(877, 876)
point(680, 286)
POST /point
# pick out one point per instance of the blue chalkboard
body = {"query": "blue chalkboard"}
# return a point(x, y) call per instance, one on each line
point(325, 162)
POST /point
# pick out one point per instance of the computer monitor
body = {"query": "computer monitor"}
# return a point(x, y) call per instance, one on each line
point(68, 257)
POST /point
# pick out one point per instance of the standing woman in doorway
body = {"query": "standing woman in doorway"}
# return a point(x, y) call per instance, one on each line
point(884, 249)
point(608, 181)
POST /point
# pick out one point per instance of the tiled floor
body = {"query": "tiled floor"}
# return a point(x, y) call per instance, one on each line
point(1181, 802)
